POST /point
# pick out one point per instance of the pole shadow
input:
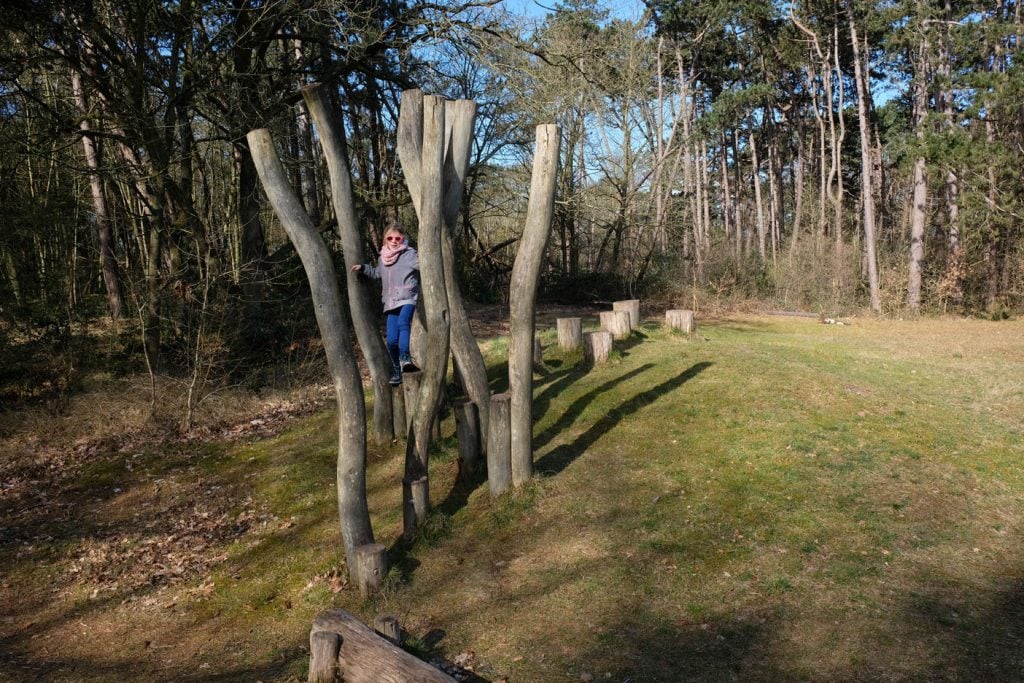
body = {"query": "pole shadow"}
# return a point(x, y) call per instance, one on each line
point(576, 409)
point(562, 456)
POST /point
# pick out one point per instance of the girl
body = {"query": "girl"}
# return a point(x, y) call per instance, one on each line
point(399, 272)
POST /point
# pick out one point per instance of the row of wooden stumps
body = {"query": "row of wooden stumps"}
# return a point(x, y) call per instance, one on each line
point(616, 325)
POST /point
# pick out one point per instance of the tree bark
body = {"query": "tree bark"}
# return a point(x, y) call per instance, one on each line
point(919, 208)
point(522, 299)
point(108, 262)
point(327, 304)
point(422, 154)
point(499, 447)
point(867, 171)
point(459, 119)
point(362, 303)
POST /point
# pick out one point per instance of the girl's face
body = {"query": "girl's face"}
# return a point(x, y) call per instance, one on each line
point(393, 238)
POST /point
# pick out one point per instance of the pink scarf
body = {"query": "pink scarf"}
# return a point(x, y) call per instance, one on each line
point(389, 255)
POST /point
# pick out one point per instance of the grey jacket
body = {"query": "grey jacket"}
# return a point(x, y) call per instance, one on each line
point(400, 283)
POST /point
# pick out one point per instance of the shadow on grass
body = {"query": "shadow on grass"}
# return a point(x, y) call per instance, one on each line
point(968, 643)
point(646, 645)
point(558, 459)
point(576, 408)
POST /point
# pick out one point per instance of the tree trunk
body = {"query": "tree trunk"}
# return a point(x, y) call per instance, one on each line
point(362, 303)
point(327, 305)
point(867, 171)
point(459, 119)
point(421, 149)
point(919, 207)
point(522, 299)
point(108, 262)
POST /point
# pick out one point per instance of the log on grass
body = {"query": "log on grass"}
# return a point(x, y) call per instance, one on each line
point(681, 320)
point(499, 445)
point(631, 306)
point(597, 346)
point(570, 333)
point(365, 657)
point(617, 323)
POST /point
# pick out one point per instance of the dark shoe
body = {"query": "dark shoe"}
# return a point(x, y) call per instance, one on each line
point(407, 364)
point(396, 379)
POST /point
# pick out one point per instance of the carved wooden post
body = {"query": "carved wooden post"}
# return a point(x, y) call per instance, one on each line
point(467, 428)
point(631, 306)
point(680, 320)
point(499, 454)
point(353, 511)
point(570, 333)
point(597, 346)
point(469, 362)
point(362, 304)
point(522, 299)
point(421, 150)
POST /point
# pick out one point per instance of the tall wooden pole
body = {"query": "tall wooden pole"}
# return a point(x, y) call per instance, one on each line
point(523, 295)
point(327, 305)
point(362, 303)
point(421, 149)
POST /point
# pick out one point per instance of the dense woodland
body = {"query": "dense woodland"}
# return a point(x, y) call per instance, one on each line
point(820, 155)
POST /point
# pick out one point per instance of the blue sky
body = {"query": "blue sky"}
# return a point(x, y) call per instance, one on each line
point(537, 9)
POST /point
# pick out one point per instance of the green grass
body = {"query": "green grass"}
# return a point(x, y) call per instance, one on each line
point(768, 499)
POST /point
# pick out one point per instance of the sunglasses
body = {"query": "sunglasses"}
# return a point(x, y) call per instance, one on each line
point(394, 238)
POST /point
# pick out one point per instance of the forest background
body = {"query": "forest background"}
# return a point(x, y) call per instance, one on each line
point(823, 155)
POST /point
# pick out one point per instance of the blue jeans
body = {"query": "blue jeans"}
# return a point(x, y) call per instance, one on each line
point(399, 325)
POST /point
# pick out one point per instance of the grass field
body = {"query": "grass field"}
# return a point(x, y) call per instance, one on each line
point(769, 499)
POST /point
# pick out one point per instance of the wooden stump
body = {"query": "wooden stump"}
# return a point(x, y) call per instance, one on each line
point(538, 352)
point(411, 388)
point(631, 306)
point(597, 346)
point(617, 323)
point(681, 320)
point(420, 501)
point(323, 656)
point(363, 656)
point(398, 412)
point(371, 562)
point(387, 626)
point(499, 445)
point(570, 333)
point(467, 429)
